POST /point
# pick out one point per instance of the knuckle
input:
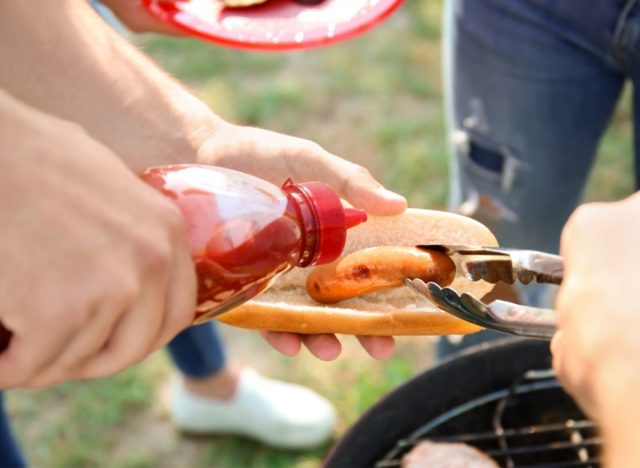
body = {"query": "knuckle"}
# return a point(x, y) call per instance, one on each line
point(77, 319)
point(308, 149)
point(176, 323)
point(70, 316)
point(172, 217)
point(361, 171)
point(355, 174)
point(123, 290)
point(156, 255)
point(312, 147)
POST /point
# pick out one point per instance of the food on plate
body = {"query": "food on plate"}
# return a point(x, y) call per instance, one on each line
point(245, 3)
point(428, 454)
point(241, 3)
point(287, 306)
point(375, 269)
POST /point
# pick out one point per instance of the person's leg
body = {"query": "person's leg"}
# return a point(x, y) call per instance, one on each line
point(532, 85)
point(10, 454)
point(214, 397)
point(198, 353)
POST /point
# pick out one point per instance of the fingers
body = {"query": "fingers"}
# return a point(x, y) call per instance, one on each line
point(327, 347)
point(28, 354)
point(288, 344)
point(324, 347)
point(378, 347)
point(180, 296)
point(133, 336)
point(356, 185)
point(82, 347)
point(275, 157)
point(363, 191)
point(121, 332)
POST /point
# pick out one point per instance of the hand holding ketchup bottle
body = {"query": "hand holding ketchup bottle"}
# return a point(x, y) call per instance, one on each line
point(244, 231)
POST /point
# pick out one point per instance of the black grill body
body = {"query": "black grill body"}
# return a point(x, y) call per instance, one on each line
point(499, 397)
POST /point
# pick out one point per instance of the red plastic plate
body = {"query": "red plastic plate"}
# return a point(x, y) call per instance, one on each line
point(276, 24)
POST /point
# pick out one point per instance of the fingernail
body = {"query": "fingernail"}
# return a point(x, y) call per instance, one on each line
point(389, 194)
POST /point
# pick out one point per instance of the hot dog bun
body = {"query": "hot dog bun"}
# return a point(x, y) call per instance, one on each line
point(287, 307)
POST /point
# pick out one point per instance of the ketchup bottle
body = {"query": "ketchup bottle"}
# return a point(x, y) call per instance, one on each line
point(244, 231)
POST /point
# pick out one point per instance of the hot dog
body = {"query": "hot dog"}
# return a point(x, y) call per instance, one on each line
point(287, 306)
point(375, 269)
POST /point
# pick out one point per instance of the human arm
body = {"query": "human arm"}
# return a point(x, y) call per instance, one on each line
point(95, 77)
point(598, 340)
point(95, 270)
point(61, 57)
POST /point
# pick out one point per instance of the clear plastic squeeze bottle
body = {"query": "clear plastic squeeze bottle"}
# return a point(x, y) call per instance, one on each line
point(244, 231)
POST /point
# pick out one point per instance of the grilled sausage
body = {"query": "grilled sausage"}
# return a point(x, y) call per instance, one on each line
point(375, 269)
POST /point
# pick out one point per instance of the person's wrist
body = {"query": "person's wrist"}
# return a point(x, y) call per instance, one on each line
point(214, 140)
point(205, 124)
point(183, 142)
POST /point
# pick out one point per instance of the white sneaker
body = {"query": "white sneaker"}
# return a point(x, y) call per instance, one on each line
point(276, 413)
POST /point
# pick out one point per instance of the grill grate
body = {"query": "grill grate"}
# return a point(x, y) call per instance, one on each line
point(531, 424)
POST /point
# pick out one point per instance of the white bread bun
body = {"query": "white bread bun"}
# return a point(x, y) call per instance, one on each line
point(287, 307)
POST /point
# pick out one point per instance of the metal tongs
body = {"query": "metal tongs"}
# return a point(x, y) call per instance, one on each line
point(494, 264)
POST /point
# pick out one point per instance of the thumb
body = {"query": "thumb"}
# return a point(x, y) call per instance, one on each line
point(356, 185)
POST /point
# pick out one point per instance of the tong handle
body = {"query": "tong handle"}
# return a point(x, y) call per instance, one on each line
point(542, 267)
point(495, 264)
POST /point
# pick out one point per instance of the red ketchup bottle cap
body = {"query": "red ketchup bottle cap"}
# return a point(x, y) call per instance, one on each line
point(332, 218)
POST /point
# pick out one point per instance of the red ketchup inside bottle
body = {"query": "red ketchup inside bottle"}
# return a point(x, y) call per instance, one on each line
point(244, 231)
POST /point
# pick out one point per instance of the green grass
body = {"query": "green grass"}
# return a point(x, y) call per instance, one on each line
point(120, 421)
point(75, 424)
point(612, 176)
point(375, 100)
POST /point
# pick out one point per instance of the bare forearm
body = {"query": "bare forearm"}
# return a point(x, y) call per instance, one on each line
point(60, 57)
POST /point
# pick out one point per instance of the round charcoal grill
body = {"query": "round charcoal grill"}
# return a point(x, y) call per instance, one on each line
point(499, 397)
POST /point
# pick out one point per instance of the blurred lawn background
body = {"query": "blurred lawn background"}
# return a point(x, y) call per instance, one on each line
point(375, 100)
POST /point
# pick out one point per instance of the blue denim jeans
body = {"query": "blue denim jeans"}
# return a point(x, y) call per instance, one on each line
point(531, 87)
point(197, 352)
